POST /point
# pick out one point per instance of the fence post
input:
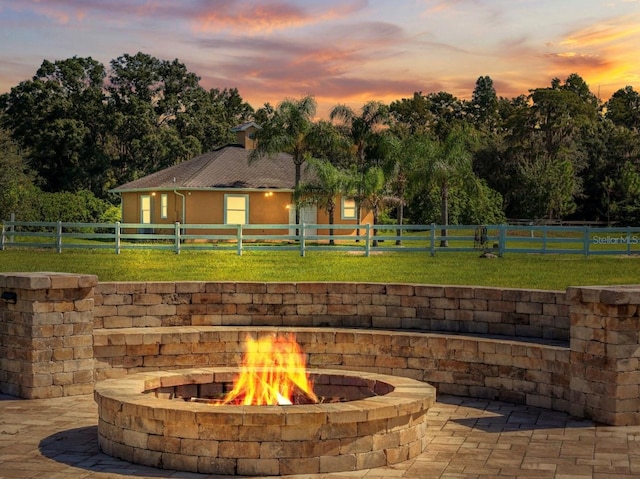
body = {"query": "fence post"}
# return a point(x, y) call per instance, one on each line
point(177, 236)
point(239, 239)
point(2, 237)
point(12, 228)
point(585, 241)
point(367, 244)
point(432, 238)
point(117, 235)
point(302, 243)
point(544, 239)
point(59, 237)
point(502, 240)
point(629, 241)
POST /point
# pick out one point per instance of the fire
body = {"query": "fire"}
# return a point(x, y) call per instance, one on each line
point(273, 371)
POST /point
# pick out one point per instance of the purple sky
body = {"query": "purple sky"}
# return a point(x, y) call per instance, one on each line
point(340, 51)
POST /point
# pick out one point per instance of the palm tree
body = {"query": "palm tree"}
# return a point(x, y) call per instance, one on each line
point(361, 129)
point(329, 182)
point(401, 158)
point(374, 194)
point(286, 131)
point(448, 162)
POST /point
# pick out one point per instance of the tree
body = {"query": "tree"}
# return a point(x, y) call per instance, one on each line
point(552, 185)
point(15, 177)
point(373, 193)
point(209, 116)
point(58, 117)
point(446, 163)
point(362, 129)
point(402, 156)
point(287, 130)
point(413, 116)
point(146, 95)
point(483, 107)
point(623, 108)
point(448, 112)
point(328, 183)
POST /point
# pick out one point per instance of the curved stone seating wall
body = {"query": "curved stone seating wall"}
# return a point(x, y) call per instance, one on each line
point(577, 351)
point(460, 309)
point(524, 372)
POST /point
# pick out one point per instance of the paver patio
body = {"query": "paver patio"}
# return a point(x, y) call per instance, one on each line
point(469, 438)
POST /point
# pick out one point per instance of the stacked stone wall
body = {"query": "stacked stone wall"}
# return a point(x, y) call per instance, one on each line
point(46, 334)
point(458, 309)
point(577, 351)
point(516, 371)
point(605, 353)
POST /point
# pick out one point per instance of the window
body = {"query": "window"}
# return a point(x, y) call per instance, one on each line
point(164, 205)
point(236, 209)
point(348, 209)
point(145, 209)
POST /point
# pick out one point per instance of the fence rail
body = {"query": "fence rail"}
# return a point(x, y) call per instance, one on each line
point(365, 238)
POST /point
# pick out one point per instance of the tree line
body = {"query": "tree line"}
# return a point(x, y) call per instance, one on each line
point(77, 129)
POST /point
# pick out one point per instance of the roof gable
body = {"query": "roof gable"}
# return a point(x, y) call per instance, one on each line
point(246, 126)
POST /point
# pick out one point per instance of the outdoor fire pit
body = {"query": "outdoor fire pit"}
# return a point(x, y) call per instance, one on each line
point(164, 419)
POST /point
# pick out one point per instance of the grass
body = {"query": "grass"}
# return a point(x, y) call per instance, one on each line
point(553, 272)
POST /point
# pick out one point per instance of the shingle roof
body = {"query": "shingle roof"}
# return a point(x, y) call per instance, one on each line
point(245, 126)
point(227, 167)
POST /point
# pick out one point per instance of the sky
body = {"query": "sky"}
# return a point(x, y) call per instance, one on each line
point(339, 51)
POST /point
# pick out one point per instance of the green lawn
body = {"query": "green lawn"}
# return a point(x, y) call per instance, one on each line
point(513, 270)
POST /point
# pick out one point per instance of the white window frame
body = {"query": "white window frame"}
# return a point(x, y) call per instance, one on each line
point(143, 210)
point(164, 205)
point(344, 208)
point(228, 210)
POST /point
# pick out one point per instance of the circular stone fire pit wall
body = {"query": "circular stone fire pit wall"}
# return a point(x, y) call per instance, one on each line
point(140, 421)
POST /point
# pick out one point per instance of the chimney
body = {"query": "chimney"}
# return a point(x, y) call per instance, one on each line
point(245, 134)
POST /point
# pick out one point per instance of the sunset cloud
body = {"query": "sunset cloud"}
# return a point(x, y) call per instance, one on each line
point(605, 33)
point(341, 51)
point(251, 17)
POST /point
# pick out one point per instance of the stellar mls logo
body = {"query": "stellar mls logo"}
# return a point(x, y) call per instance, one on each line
point(625, 239)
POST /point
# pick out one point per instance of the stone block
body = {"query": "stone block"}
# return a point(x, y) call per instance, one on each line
point(397, 454)
point(342, 309)
point(400, 290)
point(371, 288)
point(337, 463)
point(117, 299)
point(444, 303)
point(239, 449)
point(459, 292)
point(180, 462)
point(281, 288)
point(371, 310)
point(258, 467)
point(146, 298)
point(199, 447)
point(529, 308)
point(303, 298)
point(309, 465)
point(370, 460)
point(236, 298)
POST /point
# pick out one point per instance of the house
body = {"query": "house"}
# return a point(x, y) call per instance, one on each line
point(223, 187)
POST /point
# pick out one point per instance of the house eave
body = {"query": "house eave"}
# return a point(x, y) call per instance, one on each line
point(182, 188)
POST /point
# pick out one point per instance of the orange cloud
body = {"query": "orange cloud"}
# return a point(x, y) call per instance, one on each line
point(604, 34)
point(245, 17)
point(600, 53)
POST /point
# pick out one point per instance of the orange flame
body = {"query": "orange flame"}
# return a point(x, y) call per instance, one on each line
point(273, 371)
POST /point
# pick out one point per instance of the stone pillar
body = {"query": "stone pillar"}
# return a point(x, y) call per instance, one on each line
point(605, 353)
point(46, 334)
